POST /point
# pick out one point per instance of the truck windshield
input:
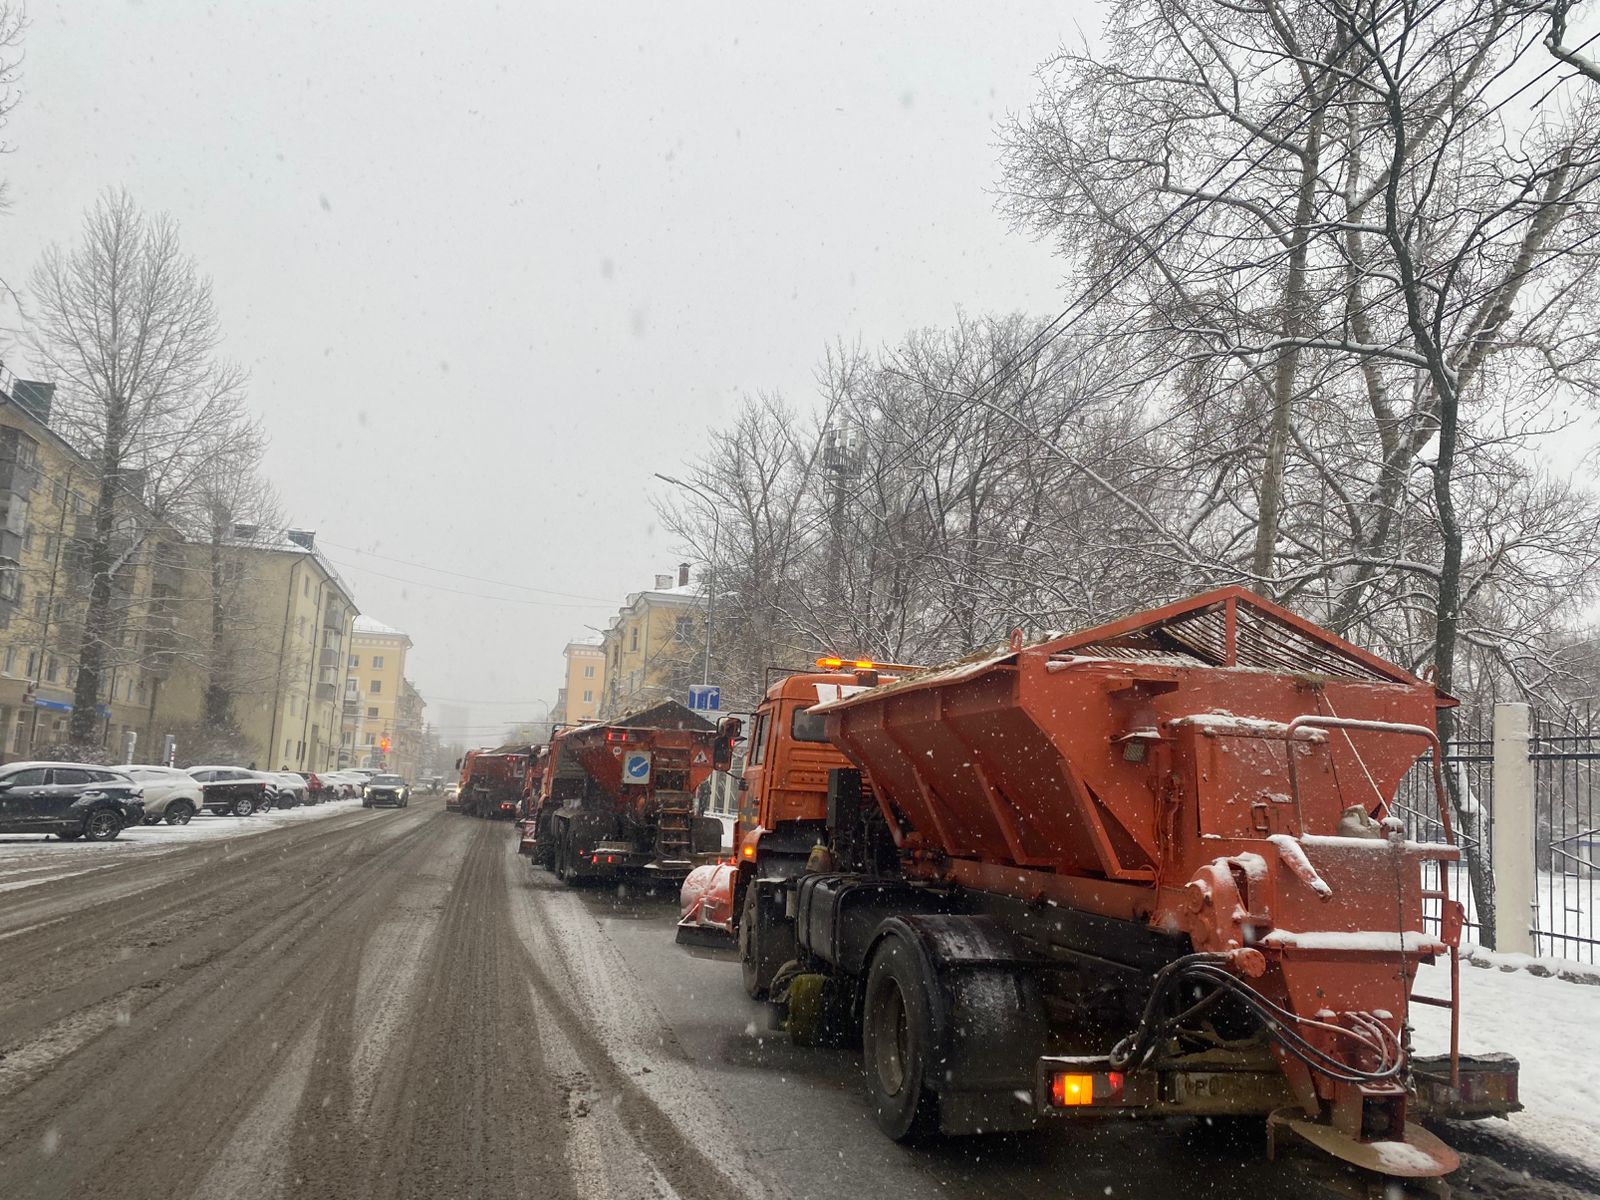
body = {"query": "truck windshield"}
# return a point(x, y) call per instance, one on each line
point(808, 726)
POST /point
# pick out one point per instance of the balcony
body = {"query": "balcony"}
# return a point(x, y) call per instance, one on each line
point(18, 477)
point(333, 618)
point(327, 693)
point(331, 657)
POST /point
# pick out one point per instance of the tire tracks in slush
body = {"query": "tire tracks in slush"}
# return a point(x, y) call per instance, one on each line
point(599, 1017)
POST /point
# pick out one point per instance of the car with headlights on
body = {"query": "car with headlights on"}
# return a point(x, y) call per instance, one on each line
point(386, 789)
point(70, 800)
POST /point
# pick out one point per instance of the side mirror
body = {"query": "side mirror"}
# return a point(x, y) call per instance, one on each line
point(728, 731)
point(7, 784)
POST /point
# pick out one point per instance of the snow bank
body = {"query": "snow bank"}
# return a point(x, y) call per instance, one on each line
point(1550, 1026)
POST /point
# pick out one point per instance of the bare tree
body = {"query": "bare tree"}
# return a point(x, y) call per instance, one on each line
point(126, 323)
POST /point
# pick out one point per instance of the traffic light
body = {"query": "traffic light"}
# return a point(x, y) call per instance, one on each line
point(383, 744)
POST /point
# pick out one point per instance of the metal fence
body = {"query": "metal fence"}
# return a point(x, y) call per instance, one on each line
point(1565, 753)
point(1562, 830)
point(1469, 776)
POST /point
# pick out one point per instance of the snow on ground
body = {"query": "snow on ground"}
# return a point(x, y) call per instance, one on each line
point(1551, 1026)
point(32, 858)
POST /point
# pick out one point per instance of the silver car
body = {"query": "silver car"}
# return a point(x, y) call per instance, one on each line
point(170, 795)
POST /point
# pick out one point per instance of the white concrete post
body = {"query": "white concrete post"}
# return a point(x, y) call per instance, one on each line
point(1511, 834)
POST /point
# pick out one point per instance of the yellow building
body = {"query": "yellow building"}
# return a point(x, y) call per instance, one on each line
point(375, 679)
point(654, 647)
point(288, 627)
point(586, 676)
point(46, 490)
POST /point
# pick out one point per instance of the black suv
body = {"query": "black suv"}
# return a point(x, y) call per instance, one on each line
point(385, 789)
point(70, 800)
point(232, 790)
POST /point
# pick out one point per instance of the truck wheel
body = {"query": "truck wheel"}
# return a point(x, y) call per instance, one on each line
point(765, 943)
point(897, 1043)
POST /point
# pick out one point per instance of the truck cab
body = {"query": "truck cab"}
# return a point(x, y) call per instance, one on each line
point(791, 771)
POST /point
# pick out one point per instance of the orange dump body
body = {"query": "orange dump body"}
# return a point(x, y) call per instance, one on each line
point(492, 781)
point(680, 760)
point(1186, 768)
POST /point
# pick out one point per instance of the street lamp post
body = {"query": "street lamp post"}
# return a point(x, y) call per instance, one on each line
point(711, 566)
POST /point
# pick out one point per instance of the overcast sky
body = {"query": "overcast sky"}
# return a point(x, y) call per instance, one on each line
point(491, 266)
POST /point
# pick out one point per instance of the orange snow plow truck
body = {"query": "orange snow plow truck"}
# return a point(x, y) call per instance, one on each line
point(1150, 869)
point(619, 800)
point(493, 781)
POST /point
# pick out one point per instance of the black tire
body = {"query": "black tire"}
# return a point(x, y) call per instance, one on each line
point(178, 813)
point(243, 806)
point(764, 944)
point(102, 825)
point(897, 1043)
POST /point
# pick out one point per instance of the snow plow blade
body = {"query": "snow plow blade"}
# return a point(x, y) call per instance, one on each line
point(706, 905)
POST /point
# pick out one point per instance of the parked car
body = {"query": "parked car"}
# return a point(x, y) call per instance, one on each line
point(292, 790)
point(316, 790)
point(386, 789)
point(345, 785)
point(70, 800)
point(233, 790)
point(170, 795)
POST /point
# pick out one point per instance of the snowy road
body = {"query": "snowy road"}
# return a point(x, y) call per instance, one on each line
point(392, 1004)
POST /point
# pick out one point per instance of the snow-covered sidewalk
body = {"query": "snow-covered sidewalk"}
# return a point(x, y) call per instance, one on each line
point(27, 859)
point(1551, 1026)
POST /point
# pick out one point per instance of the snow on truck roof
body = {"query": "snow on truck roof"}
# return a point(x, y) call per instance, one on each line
point(1230, 628)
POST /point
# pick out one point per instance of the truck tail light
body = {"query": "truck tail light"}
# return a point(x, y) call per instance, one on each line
point(1079, 1091)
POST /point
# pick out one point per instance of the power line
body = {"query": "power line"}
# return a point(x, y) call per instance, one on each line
point(406, 562)
point(437, 587)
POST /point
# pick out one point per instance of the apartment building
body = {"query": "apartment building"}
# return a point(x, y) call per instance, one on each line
point(654, 647)
point(289, 616)
point(46, 502)
point(375, 685)
point(585, 681)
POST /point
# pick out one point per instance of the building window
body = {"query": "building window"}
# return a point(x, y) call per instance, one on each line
point(377, 662)
point(588, 697)
point(72, 676)
point(53, 670)
point(684, 629)
point(57, 492)
point(11, 660)
point(372, 739)
point(633, 642)
point(10, 584)
point(588, 672)
point(355, 661)
point(376, 687)
point(144, 690)
point(305, 586)
point(372, 712)
point(39, 606)
point(27, 539)
point(33, 663)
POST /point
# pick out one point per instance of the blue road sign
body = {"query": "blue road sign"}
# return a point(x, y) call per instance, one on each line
point(705, 697)
point(636, 766)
